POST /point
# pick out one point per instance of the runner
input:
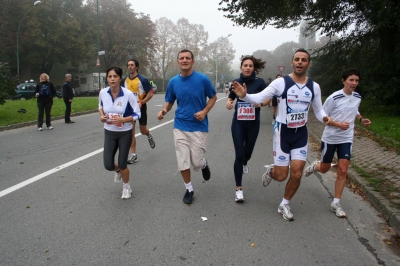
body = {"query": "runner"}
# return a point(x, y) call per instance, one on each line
point(341, 105)
point(143, 90)
point(296, 92)
point(118, 108)
point(246, 119)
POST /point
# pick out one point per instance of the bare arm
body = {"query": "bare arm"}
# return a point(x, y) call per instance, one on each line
point(167, 107)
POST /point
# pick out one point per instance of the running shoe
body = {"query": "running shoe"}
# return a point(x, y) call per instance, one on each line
point(117, 177)
point(246, 169)
point(266, 178)
point(239, 196)
point(151, 141)
point(132, 158)
point(50, 127)
point(285, 211)
point(126, 192)
point(39, 128)
point(310, 169)
point(188, 198)
point(336, 208)
point(206, 172)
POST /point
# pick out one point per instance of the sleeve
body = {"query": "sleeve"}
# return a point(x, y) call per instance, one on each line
point(276, 87)
point(52, 90)
point(133, 102)
point(100, 101)
point(328, 105)
point(317, 103)
point(37, 88)
point(146, 84)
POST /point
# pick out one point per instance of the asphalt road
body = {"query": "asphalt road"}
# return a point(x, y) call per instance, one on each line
point(59, 206)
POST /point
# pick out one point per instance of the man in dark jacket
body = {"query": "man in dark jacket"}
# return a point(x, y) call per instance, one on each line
point(68, 95)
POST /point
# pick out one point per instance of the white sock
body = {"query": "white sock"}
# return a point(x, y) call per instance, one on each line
point(284, 202)
point(336, 200)
point(189, 186)
point(126, 185)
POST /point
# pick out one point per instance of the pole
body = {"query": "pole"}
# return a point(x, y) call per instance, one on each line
point(98, 37)
point(19, 26)
point(216, 72)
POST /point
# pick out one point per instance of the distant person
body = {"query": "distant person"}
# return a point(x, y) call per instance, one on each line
point(190, 89)
point(143, 90)
point(117, 120)
point(296, 92)
point(226, 88)
point(68, 95)
point(246, 119)
point(341, 105)
point(44, 93)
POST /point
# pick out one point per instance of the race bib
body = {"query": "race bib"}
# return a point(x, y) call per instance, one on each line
point(113, 115)
point(246, 111)
point(296, 119)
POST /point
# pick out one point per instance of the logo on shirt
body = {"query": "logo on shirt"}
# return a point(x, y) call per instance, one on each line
point(119, 104)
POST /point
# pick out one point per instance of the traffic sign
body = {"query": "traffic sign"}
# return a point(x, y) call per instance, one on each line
point(281, 68)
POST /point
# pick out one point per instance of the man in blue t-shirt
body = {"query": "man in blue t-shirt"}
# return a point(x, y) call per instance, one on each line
point(190, 89)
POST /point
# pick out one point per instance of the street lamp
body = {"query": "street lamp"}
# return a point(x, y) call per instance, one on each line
point(216, 61)
point(19, 26)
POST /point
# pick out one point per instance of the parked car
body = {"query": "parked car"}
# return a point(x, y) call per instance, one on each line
point(26, 91)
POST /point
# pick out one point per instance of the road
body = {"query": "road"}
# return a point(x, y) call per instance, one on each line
point(59, 206)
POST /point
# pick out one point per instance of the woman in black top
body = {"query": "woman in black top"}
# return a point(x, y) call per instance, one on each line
point(45, 92)
point(246, 119)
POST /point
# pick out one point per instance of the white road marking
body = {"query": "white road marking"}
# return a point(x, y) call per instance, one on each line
point(63, 166)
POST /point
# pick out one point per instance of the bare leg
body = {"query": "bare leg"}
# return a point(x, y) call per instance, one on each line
point(296, 171)
point(343, 165)
point(186, 175)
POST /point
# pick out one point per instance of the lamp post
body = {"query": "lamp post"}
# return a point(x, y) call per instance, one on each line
point(98, 39)
point(19, 26)
point(216, 61)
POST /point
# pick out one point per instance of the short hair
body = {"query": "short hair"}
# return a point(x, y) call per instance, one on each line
point(136, 62)
point(302, 50)
point(68, 75)
point(117, 70)
point(257, 62)
point(185, 51)
point(47, 76)
point(350, 71)
point(278, 76)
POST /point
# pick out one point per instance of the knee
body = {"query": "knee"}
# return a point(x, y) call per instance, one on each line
point(280, 176)
point(109, 167)
point(198, 164)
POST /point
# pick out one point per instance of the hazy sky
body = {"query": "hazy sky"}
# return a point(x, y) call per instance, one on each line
point(245, 41)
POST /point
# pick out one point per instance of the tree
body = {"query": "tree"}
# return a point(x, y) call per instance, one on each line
point(7, 83)
point(367, 28)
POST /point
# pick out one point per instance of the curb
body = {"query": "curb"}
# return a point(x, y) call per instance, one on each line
point(31, 123)
point(382, 205)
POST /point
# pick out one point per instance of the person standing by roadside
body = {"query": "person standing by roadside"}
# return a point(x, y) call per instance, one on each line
point(44, 93)
point(296, 92)
point(68, 95)
point(246, 119)
point(341, 105)
point(118, 108)
point(143, 90)
point(190, 89)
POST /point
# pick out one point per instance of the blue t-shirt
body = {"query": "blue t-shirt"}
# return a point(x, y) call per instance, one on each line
point(191, 94)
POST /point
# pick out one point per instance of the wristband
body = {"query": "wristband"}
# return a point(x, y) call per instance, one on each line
point(361, 119)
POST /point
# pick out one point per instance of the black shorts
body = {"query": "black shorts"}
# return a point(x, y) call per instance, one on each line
point(274, 101)
point(143, 117)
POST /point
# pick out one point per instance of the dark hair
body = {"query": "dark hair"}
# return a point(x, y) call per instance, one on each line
point(185, 51)
point(302, 50)
point(136, 62)
point(279, 75)
point(117, 70)
point(257, 62)
point(351, 71)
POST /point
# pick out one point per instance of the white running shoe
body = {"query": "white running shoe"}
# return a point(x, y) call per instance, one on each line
point(246, 169)
point(285, 211)
point(311, 168)
point(50, 127)
point(266, 178)
point(126, 192)
point(39, 128)
point(239, 195)
point(336, 208)
point(117, 177)
point(132, 158)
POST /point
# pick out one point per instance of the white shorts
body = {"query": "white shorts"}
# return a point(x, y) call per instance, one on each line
point(190, 148)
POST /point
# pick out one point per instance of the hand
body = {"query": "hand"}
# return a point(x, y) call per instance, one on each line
point(200, 115)
point(103, 118)
point(161, 114)
point(366, 122)
point(327, 120)
point(37, 95)
point(239, 90)
point(70, 101)
point(229, 104)
point(343, 125)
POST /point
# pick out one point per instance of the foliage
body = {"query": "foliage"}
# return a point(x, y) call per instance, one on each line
point(7, 83)
point(368, 30)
